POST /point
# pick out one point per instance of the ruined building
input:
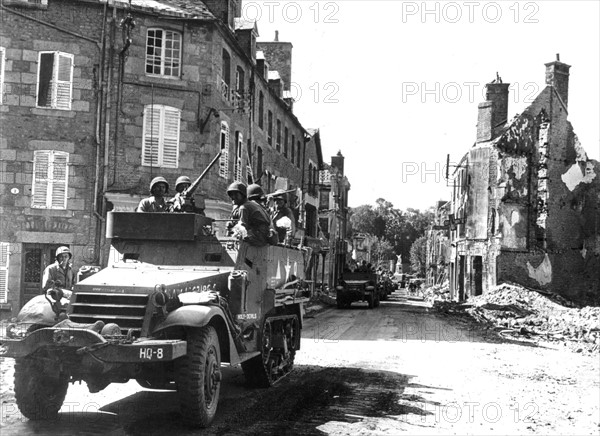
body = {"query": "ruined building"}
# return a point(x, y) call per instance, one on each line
point(525, 205)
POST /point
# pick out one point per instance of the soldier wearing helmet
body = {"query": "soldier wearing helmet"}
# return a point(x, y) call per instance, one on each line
point(256, 194)
point(250, 215)
point(159, 188)
point(283, 217)
point(183, 200)
point(60, 273)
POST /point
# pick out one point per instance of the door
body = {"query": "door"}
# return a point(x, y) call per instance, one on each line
point(478, 274)
point(36, 257)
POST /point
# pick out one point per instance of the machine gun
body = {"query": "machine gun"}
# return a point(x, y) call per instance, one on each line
point(184, 201)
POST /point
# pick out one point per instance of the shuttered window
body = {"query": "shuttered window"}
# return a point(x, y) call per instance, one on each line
point(50, 179)
point(3, 272)
point(2, 64)
point(224, 159)
point(239, 143)
point(161, 136)
point(55, 80)
point(163, 52)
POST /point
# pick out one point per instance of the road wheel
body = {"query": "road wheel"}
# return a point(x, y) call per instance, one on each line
point(376, 301)
point(259, 370)
point(39, 396)
point(198, 377)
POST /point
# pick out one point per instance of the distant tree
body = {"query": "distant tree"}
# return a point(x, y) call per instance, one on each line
point(382, 252)
point(362, 220)
point(418, 255)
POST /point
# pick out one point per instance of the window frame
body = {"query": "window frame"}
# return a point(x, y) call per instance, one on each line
point(270, 128)
point(4, 271)
point(2, 68)
point(278, 137)
point(163, 50)
point(239, 145)
point(162, 121)
point(54, 82)
point(49, 182)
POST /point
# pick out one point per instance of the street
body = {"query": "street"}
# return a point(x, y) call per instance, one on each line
point(397, 369)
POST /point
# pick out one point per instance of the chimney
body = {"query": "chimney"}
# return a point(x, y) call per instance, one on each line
point(497, 93)
point(484, 121)
point(557, 75)
point(337, 162)
point(279, 57)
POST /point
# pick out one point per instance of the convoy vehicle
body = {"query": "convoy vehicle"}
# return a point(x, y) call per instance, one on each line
point(174, 303)
point(358, 286)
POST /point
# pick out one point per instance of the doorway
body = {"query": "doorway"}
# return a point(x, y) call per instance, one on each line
point(36, 257)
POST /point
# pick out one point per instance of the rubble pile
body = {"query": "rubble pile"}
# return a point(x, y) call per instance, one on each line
point(518, 311)
point(437, 293)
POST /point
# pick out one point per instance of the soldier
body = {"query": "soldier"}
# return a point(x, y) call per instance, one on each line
point(252, 217)
point(256, 194)
point(283, 217)
point(183, 202)
point(156, 202)
point(60, 273)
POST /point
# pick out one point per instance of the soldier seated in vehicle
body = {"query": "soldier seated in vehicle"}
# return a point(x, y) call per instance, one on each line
point(251, 216)
point(183, 202)
point(159, 188)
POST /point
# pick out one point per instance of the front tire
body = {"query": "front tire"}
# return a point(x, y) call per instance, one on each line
point(39, 396)
point(198, 378)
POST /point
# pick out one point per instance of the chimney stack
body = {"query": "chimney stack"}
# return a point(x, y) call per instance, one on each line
point(484, 121)
point(337, 162)
point(497, 93)
point(279, 57)
point(557, 75)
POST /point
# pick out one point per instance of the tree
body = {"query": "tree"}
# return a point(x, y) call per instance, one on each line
point(382, 252)
point(418, 255)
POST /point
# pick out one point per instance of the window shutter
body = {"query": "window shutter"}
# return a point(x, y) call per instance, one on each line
point(64, 80)
point(41, 162)
point(60, 177)
point(238, 158)
point(2, 63)
point(3, 272)
point(172, 118)
point(150, 150)
point(224, 159)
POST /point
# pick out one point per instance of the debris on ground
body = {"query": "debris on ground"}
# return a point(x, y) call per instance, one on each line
point(517, 312)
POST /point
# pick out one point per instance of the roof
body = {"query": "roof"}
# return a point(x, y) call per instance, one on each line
point(274, 75)
point(190, 9)
point(241, 24)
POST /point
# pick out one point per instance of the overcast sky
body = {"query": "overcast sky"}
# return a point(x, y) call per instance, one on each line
point(395, 85)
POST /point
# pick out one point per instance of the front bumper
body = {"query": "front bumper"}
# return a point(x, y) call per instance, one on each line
point(83, 341)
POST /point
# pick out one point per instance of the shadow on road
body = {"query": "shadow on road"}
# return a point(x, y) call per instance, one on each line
point(308, 398)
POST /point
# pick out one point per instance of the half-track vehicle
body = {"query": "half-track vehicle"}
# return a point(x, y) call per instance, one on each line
point(174, 303)
point(358, 286)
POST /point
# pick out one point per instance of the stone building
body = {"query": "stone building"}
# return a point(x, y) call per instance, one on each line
point(100, 97)
point(526, 199)
point(438, 245)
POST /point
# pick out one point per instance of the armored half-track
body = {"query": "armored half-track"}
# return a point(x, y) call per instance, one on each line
point(174, 303)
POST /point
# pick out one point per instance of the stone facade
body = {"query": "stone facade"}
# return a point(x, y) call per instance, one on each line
point(527, 200)
point(157, 89)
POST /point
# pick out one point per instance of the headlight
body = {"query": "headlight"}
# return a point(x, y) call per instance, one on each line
point(339, 288)
point(370, 288)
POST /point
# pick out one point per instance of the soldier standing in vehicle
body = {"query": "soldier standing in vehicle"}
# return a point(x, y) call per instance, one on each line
point(256, 194)
point(60, 273)
point(182, 202)
point(156, 202)
point(283, 217)
point(252, 217)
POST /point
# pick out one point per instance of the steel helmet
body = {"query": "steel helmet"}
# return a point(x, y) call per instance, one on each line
point(237, 187)
point(63, 250)
point(159, 180)
point(280, 193)
point(180, 180)
point(255, 191)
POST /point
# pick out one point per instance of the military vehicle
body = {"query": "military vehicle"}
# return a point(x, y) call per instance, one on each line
point(174, 303)
point(358, 286)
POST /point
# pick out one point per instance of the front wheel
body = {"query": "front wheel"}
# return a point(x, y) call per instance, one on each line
point(198, 378)
point(39, 396)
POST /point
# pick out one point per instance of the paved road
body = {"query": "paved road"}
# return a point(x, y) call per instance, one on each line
point(397, 369)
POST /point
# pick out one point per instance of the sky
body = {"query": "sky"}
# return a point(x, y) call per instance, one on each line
point(394, 85)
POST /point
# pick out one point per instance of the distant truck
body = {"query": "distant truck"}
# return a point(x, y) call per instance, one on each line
point(358, 286)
